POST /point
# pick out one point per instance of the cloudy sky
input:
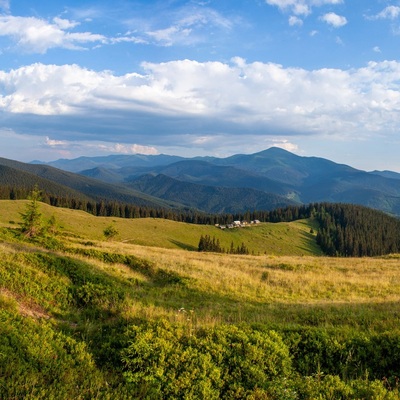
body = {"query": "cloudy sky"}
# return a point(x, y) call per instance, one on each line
point(201, 77)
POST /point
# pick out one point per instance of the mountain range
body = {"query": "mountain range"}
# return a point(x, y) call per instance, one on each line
point(262, 181)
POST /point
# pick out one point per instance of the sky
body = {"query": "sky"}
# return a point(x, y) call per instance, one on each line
point(201, 77)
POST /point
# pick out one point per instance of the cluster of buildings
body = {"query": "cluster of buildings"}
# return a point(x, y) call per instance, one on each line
point(237, 224)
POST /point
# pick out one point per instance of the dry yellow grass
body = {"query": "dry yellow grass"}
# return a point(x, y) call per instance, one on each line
point(232, 288)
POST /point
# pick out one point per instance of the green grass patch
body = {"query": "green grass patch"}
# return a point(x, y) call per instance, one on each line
point(266, 238)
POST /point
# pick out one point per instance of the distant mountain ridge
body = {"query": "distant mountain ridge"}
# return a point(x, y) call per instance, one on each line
point(275, 172)
point(213, 199)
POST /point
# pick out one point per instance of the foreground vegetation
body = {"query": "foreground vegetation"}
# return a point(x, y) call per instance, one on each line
point(84, 317)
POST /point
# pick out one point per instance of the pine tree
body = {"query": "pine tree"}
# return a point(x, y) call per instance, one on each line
point(32, 217)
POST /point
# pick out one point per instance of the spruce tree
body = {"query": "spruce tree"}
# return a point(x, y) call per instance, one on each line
point(32, 217)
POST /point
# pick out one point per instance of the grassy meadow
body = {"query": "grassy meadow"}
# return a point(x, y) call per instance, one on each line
point(84, 313)
point(276, 239)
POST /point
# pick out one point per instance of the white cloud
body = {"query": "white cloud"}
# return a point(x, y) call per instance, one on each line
point(36, 35)
point(128, 38)
point(189, 102)
point(376, 49)
point(285, 144)
point(132, 149)
point(293, 20)
point(337, 21)
point(390, 12)
point(186, 26)
point(170, 36)
point(65, 24)
point(66, 148)
point(55, 143)
point(301, 7)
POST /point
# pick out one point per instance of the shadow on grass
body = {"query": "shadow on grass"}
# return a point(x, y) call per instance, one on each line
point(183, 246)
point(310, 244)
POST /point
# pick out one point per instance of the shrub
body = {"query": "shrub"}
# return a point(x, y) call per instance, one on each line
point(110, 232)
point(169, 361)
point(38, 362)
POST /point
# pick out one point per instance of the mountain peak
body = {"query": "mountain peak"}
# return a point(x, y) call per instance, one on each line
point(276, 151)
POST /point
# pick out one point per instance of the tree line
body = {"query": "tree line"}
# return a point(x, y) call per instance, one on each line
point(114, 208)
point(206, 243)
point(356, 231)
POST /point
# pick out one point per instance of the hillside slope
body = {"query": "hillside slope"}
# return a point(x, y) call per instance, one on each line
point(47, 177)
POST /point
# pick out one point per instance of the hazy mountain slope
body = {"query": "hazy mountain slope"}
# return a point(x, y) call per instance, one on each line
point(387, 174)
point(205, 173)
point(208, 198)
point(118, 175)
point(357, 187)
point(21, 179)
point(112, 162)
point(92, 188)
point(103, 174)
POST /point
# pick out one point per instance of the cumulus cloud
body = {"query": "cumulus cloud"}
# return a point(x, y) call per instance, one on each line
point(35, 35)
point(293, 20)
point(301, 7)
point(189, 102)
point(390, 12)
point(337, 21)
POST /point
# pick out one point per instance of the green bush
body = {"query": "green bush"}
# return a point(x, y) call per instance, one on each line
point(38, 362)
point(97, 294)
point(331, 387)
point(21, 276)
point(348, 354)
point(170, 361)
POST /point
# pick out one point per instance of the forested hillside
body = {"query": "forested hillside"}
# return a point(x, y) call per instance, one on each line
point(61, 184)
point(355, 231)
point(210, 199)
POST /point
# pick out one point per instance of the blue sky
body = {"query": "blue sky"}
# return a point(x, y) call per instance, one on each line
point(218, 77)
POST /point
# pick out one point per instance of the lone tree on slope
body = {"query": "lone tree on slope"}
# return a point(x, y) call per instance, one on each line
point(32, 217)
